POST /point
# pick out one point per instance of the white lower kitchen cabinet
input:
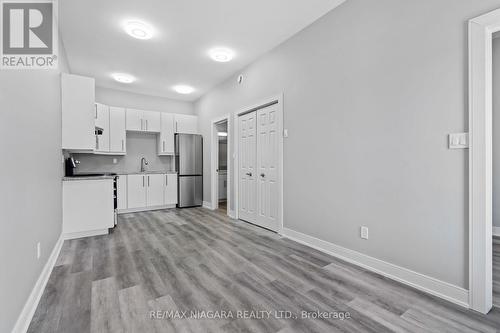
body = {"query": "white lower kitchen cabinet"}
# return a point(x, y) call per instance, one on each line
point(121, 192)
point(88, 207)
point(170, 189)
point(136, 191)
point(155, 190)
point(139, 192)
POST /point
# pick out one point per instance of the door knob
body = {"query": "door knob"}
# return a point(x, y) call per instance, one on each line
point(262, 175)
point(249, 174)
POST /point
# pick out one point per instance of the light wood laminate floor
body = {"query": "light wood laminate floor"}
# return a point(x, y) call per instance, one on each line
point(196, 259)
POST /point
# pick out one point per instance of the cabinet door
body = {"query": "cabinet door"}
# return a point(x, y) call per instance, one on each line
point(122, 191)
point(78, 109)
point(166, 137)
point(102, 121)
point(170, 189)
point(117, 133)
point(155, 188)
point(151, 121)
point(136, 191)
point(186, 124)
point(134, 120)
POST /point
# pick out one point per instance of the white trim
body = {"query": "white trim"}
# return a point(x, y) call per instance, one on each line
point(214, 156)
point(496, 231)
point(279, 99)
point(232, 214)
point(480, 159)
point(208, 205)
point(24, 319)
point(144, 209)
point(406, 276)
point(81, 234)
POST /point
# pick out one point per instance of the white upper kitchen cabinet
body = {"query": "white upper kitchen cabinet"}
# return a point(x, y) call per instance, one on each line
point(143, 121)
point(151, 121)
point(102, 122)
point(117, 130)
point(134, 120)
point(78, 112)
point(170, 189)
point(155, 189)
point(186, 124)
point(166, 137)
point(136, 191)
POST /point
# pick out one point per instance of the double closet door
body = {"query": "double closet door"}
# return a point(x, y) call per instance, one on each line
point(258, 183)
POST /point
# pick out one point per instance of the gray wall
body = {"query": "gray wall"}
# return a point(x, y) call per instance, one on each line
point(138, 145)
point(371, 91)
point(144, 102)
point(30, 174)
point(496, 132)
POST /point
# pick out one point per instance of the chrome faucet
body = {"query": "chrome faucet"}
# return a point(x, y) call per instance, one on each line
point(143, 164)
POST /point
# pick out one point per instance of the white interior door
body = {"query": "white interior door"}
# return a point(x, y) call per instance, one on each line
point(267, 167)
point(247, 147)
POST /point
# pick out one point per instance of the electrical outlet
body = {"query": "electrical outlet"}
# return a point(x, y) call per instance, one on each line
point(38, 250)
point(115, 160)
point(364, 232)
point(285, 133)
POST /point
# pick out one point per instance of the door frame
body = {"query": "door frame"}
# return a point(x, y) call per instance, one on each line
point(214, 159)
point(277, 99)
point(481, 30)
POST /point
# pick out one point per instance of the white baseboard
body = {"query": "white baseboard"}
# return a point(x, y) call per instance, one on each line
point(496, 231)
point(232, 214)
point(24, 319)
point(207, 205)
point(80, 234)
point(414, 279)
point(143, 209)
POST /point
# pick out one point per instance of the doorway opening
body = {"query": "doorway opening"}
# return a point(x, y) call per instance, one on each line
point(481, 31)
point(220, 164)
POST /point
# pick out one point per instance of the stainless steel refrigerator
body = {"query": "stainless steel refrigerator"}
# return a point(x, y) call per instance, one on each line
point(189, 166)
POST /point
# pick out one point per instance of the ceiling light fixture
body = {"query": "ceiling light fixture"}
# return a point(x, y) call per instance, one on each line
point(222, 134)
point(123, 78)
point(138, 29)
point(183, 89)
point(221, 54)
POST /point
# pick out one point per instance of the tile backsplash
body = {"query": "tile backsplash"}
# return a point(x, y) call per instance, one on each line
point(138, 145)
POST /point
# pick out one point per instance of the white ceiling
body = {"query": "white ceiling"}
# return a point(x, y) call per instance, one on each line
point(97, 46)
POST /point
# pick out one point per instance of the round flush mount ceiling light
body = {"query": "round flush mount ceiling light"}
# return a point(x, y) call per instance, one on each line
point(123, 78)
point(138, 29)
point(183, 89)
point(221, 54)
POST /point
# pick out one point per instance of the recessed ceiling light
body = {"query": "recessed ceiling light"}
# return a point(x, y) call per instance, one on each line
point(221, 54)
point(183, 89)
point(222, 134)
point(138, 29)
point(123, 78)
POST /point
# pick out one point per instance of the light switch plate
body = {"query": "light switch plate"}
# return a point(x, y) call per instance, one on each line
point(364, 232)
point(458, 140)
point(285, 133)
